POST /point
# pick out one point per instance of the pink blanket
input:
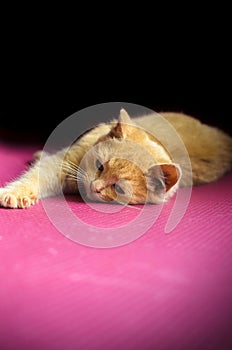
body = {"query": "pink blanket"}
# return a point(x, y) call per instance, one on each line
point(62, 289)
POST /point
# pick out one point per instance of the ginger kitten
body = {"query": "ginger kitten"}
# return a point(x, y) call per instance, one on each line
point(131, 160)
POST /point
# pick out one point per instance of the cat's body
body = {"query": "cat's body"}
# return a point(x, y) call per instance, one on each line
point(131, 160)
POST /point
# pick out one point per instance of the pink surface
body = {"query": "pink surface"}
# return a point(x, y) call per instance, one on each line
point(161, 291)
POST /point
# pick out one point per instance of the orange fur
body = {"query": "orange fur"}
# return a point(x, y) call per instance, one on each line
point(131, 160)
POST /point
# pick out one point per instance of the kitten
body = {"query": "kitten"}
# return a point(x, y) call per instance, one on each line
point(130, 160)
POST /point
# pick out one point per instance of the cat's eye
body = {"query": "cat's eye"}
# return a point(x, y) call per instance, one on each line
point(99, 165)
point(118, 189)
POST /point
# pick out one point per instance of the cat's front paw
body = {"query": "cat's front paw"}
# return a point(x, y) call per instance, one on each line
point(16, 199)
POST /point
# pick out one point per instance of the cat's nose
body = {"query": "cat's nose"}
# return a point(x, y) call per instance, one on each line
point(96, 186)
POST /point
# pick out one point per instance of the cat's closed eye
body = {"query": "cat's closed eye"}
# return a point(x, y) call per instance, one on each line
point(99, 165)
point(118, 189)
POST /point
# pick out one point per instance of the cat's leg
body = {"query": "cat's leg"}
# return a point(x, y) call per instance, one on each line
point(43, 179)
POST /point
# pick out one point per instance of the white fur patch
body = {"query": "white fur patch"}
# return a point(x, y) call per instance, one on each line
point(159, 149)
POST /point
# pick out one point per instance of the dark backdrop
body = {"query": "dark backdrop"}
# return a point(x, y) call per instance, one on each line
point(36, 103)
point(38, 91)
point(50, 69)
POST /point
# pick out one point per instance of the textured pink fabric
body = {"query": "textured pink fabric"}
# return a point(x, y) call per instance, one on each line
point(161, 291)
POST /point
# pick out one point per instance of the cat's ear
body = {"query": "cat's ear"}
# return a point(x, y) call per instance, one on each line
point(123, 126)
point(162, 177)
point(124, 117)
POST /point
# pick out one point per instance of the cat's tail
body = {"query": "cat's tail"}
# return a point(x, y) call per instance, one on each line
point(215, 160)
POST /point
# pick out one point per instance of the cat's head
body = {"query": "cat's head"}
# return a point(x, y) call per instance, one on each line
point(120, 167)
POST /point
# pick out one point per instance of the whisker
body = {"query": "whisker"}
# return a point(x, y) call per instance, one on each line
point(74, 170)
point(68, 167)
point(72, 163)
point(82, 174)
point(82, 171)
point(72, 176)
point(71, 168)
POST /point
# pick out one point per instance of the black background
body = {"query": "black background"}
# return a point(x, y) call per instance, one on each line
point(45, 77)
point(35, 102)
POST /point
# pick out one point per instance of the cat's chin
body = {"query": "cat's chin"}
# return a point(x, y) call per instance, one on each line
point(98, 197)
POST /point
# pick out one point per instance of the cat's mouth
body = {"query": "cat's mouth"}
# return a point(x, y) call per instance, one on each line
point(99, 197)
point(102, 197)
point(96, 196)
